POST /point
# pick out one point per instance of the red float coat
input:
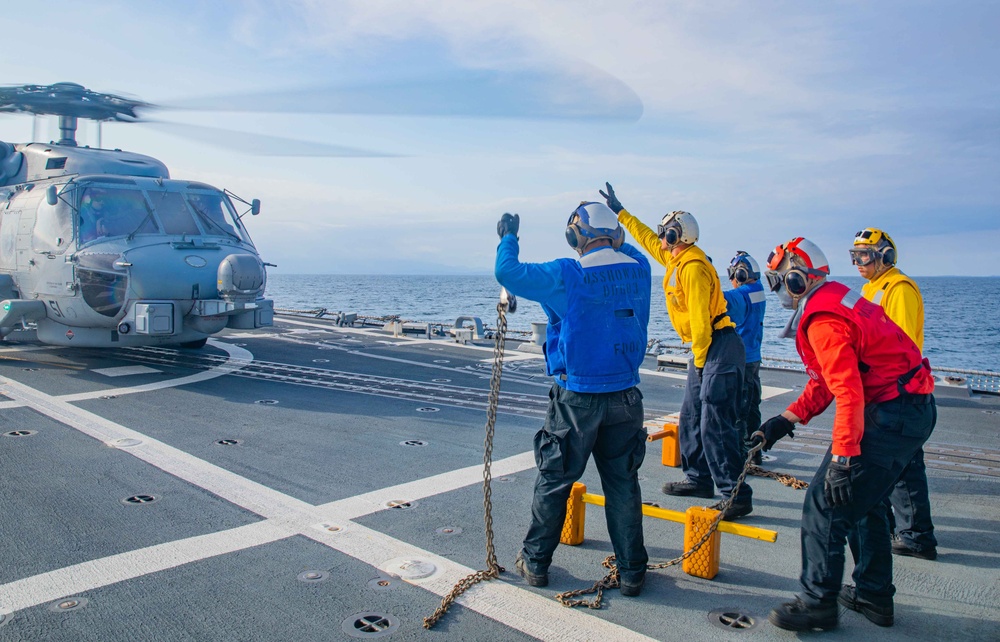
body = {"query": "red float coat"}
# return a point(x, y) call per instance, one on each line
point(855, 354)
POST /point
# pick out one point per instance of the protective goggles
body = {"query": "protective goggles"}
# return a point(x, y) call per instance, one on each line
point(580, 212)
point(795, 280)
point(774, 280)
point(864, 257)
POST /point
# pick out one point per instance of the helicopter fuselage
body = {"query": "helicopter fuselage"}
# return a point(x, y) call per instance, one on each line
point(101, 248)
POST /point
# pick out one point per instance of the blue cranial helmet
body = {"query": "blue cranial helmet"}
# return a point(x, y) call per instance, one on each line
point(591, 221)
point(743, 268)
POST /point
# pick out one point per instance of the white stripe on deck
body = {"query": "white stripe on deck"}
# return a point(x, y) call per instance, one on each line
point(86, 576)
point(238, 358)
point(125, 371)
point(286, 516)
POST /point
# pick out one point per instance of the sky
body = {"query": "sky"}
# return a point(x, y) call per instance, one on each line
point(766, 120)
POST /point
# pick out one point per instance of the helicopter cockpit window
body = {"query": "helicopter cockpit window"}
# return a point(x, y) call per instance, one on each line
point(174, 216)
point(53, 227)
point(105, 212)
point(214, 213)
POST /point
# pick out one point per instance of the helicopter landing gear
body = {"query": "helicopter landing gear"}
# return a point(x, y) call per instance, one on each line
point(195, 345)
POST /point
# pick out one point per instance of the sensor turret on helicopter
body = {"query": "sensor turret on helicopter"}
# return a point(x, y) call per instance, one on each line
point(101, 248)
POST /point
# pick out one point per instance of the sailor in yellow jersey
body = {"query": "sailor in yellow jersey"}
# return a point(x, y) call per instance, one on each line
point(875, 255)
point(710, 444)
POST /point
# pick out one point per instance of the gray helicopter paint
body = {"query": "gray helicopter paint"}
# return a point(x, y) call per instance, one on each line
point(153, 282)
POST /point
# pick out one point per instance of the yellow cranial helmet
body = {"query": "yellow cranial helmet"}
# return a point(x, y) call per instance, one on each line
point(872, 243)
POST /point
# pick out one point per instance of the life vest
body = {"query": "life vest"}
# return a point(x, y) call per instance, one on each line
point(888, 360)
point(904, 307)
point(875, 290)
point(752, 328)
point(677, 306)
point(601, 342)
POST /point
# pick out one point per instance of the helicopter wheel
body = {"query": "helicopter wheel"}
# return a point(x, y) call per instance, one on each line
point(195, 345)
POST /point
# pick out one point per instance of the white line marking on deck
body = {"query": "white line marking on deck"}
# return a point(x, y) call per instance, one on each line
point(766, 392)
point(124, 371)
point(285, 516)
point(86, 576)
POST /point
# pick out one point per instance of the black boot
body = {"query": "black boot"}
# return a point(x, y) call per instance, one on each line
point(687, 488)
point(533, 579)
point(796, 616)
point(880, 615)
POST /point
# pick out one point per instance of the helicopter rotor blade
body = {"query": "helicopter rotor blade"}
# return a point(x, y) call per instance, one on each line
point(589, 94)
point(259, 144)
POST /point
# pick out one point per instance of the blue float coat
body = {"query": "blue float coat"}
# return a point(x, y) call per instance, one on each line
point(605, 368)
point(745, 306)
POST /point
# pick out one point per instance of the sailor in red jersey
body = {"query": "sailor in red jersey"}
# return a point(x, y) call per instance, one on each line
point(885, 411)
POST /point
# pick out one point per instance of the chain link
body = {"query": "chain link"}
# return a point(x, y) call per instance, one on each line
point(613, 580)
point(784, 478)
point(493, 569)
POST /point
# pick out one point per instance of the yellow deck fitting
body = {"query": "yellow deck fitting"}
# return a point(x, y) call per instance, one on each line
point(695, 521)
point(665, 430)
point(576, 516)
point(671, 446)
point(705, 562)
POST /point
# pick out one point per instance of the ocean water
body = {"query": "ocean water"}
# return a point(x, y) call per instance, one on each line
point(961, 329)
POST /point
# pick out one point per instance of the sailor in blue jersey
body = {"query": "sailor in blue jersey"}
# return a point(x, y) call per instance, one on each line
point(745, 306)
point(598, 310)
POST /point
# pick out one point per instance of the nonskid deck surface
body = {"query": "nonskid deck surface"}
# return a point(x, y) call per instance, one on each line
point(314, 482)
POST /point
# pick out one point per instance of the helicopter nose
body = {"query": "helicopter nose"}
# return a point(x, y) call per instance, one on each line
point(241, 277)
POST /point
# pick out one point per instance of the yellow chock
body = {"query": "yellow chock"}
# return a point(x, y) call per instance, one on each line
point(576, 515)
point(671, 455)
point(705, 562)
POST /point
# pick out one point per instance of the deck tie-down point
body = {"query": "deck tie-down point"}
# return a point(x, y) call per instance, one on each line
point(697, 520)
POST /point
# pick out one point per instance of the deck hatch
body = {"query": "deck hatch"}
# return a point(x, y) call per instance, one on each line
point(311, 577)
point(137, 500)
point(370, 624)
point(732, 619)
point(68, 604)
point(20, 433)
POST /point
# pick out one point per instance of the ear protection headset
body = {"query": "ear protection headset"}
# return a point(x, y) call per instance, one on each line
point(574, 236)
point(672, 234)
point(579, 233)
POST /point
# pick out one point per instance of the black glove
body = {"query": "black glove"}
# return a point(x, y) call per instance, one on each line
point(837, 485)
point(701, 374)
point(508, 225)
point(774, 429)
point(613, 202)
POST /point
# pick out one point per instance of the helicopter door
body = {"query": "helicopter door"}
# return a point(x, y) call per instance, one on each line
point(52, 235)
point(8, 239)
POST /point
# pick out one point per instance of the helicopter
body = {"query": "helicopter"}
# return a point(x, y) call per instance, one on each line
point(102, 248)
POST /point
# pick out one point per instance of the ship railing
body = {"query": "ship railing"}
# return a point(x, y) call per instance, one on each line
point(984, 381)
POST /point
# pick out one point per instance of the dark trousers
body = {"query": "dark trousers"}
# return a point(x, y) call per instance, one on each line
point(749, 421)
point(711, 446)
point(609, 425)
point(894, 431)
point(910, 517)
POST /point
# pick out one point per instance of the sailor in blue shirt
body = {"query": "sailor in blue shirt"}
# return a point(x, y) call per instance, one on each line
point(745, 306)
point(598, 310)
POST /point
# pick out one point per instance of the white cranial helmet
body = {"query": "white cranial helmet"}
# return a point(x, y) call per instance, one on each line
point(678, 227)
